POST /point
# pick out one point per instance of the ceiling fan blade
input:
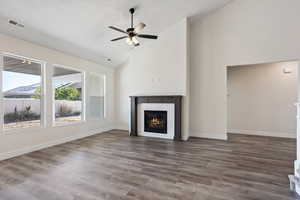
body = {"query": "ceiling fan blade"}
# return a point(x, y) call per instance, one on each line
point(117, 29)
point(139, 27)
point(120, 38)
point(154, 37)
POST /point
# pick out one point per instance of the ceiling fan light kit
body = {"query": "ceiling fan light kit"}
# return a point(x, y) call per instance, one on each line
point(133, 32)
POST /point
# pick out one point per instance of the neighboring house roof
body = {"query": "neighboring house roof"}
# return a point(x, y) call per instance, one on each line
point(22, 91)
point(28, 91)
point(76, 85)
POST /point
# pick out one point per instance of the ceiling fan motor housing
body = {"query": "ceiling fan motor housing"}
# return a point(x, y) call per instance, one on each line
point(130, 30)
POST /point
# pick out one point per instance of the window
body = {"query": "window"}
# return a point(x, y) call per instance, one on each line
point(23, 94)
point(96, 96)
point(68, 95)
point(22, 89)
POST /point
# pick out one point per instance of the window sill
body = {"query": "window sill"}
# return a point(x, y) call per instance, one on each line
point(98, 120)
point(69, 124)
point(39, 128)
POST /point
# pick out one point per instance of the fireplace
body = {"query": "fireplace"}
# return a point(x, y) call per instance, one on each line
point(156, 116)
point(156, 121)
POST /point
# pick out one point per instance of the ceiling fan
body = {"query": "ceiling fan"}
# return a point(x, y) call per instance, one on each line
point(133, 33)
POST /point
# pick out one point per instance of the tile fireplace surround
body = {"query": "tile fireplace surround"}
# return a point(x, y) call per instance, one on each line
point(137, 100)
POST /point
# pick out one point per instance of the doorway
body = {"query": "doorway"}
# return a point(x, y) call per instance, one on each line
point(261, 99)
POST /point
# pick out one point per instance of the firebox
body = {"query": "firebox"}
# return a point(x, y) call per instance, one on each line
point(156, 121)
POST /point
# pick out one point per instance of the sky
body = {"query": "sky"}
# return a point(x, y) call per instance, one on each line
point(12, 80)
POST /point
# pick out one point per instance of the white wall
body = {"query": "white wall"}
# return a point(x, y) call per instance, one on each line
point(20, 141)
point(261, 99)
point(243, 32)
point(157, 67)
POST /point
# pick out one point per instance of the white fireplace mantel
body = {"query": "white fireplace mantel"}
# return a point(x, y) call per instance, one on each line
point(170, 108)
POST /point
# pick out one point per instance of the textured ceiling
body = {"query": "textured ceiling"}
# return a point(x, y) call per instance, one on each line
point(79, 27)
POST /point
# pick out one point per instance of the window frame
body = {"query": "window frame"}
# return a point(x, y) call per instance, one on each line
point(46, 81)
point(83, 100)
point(42, 99)
point(104, 93)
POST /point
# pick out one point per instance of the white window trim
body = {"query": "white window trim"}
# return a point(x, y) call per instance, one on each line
point(83, 93)
point(43, 96)
point(105, 97)
point(104, 93)
point(1, 95)
point(43, 121)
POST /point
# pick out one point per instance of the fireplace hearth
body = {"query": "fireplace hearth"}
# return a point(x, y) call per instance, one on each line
point(156, 121)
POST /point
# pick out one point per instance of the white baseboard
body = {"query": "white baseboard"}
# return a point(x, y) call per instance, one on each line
point(263, 133)
point(185, 138)
point(207, 135)
point(121, 126)
point(22, 151)
point(124, 128)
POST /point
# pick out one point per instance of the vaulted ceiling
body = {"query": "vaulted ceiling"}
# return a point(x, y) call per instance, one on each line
point(80, 27)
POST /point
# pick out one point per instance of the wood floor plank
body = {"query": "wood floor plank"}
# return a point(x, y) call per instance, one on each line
point(113, 166)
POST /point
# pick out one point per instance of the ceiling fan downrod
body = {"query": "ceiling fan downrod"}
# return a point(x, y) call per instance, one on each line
point(131, 10)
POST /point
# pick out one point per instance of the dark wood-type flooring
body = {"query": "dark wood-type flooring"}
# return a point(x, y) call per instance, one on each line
point(114, 166)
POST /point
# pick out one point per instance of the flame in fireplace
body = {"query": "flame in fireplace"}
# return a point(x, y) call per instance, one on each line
point(155, 122)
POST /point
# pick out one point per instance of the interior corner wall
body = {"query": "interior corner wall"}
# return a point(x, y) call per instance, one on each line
point(25, 140)
point(155, 68)
point(243, 32)
point(261, 99)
